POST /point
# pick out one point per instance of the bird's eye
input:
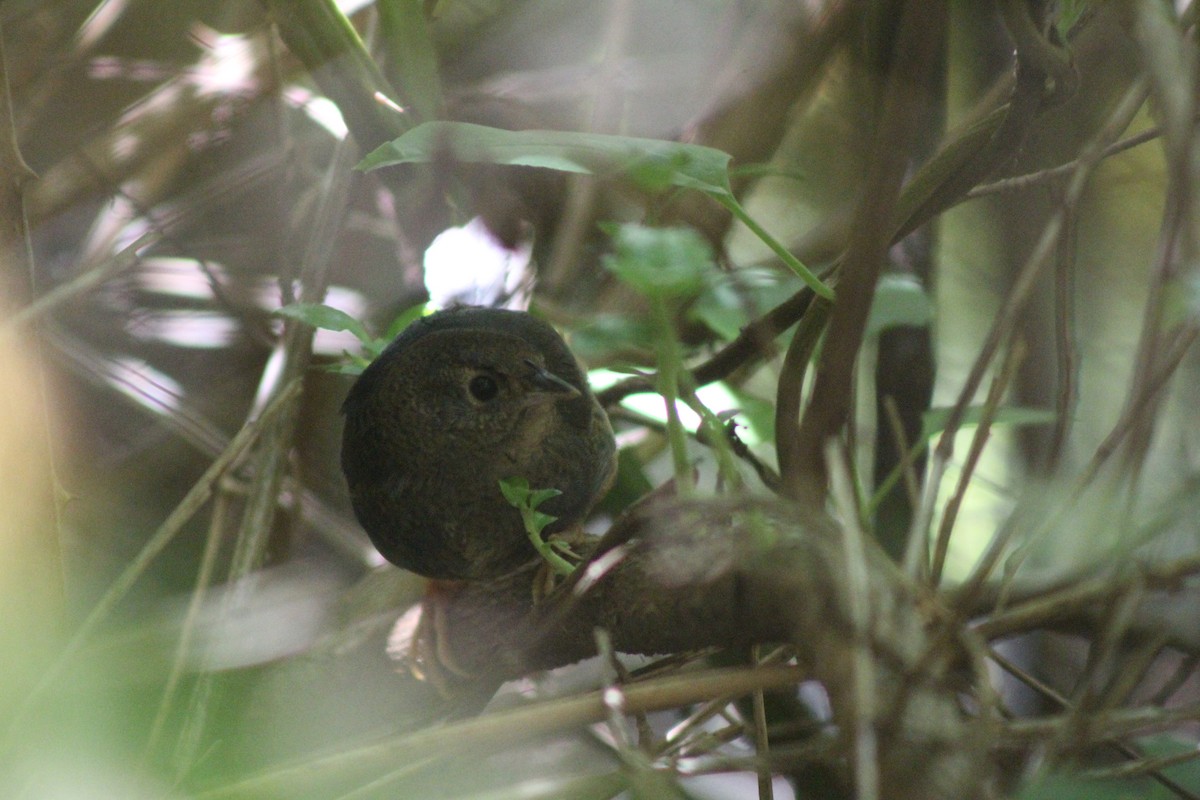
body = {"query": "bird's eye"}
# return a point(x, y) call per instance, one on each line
point(483, 388)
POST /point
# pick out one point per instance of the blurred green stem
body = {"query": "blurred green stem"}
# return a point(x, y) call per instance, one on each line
point(716, 434)
point(793, 263)
point(670, 362)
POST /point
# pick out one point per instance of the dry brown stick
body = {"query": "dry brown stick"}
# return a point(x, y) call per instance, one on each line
point(978, 442)
point(1049, 693)
point(1028, 180)
point(499, 730)
point(920, 36)
point(755, 341)
point(1108, 727)
point(1065, 350)
point(1004, 323)
point(1072, 602)
point(690, 575)
point(788, 391)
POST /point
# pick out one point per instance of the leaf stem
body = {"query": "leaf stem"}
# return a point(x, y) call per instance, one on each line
point(730, 202)
point(556, 562)
point(670, 361)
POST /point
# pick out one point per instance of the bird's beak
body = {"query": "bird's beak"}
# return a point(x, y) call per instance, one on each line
point(545, 381)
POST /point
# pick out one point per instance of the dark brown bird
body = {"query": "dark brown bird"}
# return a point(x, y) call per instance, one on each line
point(458, 401)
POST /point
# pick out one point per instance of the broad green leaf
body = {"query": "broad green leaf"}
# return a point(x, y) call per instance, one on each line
point(407, 40)
point(721, 308)
point(607, 335)
point(899, 300)
point(326, 317)
point(652, 162)
point(660, 262)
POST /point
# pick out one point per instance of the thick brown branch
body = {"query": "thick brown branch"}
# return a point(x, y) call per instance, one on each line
point(717, 573)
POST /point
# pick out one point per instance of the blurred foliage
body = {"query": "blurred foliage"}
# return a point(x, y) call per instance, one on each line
point(166, 631)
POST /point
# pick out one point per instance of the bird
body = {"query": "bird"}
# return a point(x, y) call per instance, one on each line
point(457, 402)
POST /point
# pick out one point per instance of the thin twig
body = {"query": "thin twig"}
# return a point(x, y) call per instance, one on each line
point(1048, 692)
point(866, 744)
point(1108, 727)
point(1028, 180)
point(1081, 595)
point(991, 405)
point(762, 742)
point(788, 393)
point(1183, 673)
point(753, 343)
point(496, 730)
point(1006, 319)
point(204, 577)
point(1141, 400)
point(912, 483)
point(102, 272)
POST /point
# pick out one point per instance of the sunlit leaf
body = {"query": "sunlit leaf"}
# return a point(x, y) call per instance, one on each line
point(406, 318)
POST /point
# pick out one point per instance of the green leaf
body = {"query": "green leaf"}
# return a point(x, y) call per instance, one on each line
point(539, 521)
point(344, 368)
point(721, 308)
point(539, 496)
point(407, 40)
point(606, 336)
point(325, 317)
point(935, 419)
point(660, 262)
point(899, 300)
point(1070, 13)
point(651, 162)
point(515, 491)
point(405, 318)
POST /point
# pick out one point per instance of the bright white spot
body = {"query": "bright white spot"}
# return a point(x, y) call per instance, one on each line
point(145, 385)
point(177, 277)
point(124, 144)
point(320, 110)
point(716, 397)
point(614, 698)
point(469, 265)
point(733, 784)
point(98, 23)
point(185, 328)
point(348, 7)
point(270, 615)
point(227, 66)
